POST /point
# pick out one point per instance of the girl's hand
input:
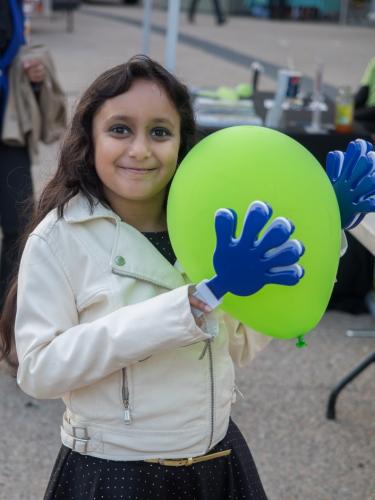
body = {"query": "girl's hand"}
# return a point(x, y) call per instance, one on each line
point(34, 70)
point(199, 306)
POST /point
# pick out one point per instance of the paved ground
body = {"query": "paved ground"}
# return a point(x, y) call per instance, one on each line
point(300, 455)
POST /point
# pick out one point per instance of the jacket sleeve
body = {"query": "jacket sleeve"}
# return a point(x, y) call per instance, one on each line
point(362, 112)
point(57, 354)
point(244, 342)
point(360, 98)
point(365, 115)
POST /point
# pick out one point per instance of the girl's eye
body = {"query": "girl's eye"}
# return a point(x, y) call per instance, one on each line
point(160, 132)
point(119, 129)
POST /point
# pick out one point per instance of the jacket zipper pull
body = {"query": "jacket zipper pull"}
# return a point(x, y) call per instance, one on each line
point(125, 397)
point(236, 389)
point(127, 415)
point(205, 347)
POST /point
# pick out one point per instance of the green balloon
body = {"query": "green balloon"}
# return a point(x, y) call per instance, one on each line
point(232, 168)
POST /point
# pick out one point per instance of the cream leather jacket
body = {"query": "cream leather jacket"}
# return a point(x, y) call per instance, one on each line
point(104, 322)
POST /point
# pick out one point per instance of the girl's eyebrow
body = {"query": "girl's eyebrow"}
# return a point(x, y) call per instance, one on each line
point(129, 118)
point(118, 117)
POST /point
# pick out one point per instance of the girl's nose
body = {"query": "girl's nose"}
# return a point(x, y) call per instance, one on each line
point(139, 148)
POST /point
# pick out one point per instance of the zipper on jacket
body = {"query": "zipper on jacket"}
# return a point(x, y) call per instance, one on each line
point(237, 390)
point(208, 348)
point(211, 363)
point(125, 397)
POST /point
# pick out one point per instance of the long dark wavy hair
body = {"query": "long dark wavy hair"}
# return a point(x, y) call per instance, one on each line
point(76, 169)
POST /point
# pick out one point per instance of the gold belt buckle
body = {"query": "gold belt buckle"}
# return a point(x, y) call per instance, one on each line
point(183, 462)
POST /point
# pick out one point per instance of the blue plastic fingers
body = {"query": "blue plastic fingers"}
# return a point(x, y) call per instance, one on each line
point(341, 164)
point(256, 217)
point(366, 206)
point(225, 226)
point(244, 265)
point(365, 187)
point(284, 269)
point(361, 169)
point(352, 175)
point(276, 234)
point(352, 154)
point(286, 276)
point(286, 254)
point(334, 162)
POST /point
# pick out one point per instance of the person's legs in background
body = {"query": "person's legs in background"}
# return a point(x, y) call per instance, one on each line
point(371, 11)
point(220, 18)
point(16, 200)
point(191, 10)
point(16, 195)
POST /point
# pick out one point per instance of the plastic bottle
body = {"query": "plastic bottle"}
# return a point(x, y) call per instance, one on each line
point(344, 110)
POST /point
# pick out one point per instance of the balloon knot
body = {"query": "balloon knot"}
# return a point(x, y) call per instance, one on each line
point(301, 341)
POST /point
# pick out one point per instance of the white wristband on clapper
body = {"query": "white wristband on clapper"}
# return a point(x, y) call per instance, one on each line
point(203, 293)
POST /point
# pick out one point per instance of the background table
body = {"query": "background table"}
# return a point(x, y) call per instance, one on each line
point(295, 123)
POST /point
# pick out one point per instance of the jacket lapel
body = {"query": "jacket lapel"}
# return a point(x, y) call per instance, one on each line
point(134, 255)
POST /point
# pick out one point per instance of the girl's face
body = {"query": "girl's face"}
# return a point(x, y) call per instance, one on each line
point(136, 138)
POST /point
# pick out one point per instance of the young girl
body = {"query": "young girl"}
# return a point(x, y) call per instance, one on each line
point(104, 318)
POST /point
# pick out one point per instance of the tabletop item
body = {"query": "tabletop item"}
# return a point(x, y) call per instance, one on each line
point(230, 169)
point(224, 93)
point(344, 106)
point(317, 104)
point(288, 82)
point(211, 112)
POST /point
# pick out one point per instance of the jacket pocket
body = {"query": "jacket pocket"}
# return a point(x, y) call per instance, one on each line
point(100, 401)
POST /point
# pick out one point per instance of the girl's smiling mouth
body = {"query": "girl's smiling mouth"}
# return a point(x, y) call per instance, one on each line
point(137, 170)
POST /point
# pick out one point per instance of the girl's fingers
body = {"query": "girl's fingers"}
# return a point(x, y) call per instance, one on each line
point(198, 304)
point(200, 321)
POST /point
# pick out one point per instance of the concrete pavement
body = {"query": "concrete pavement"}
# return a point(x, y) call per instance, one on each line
point(300, 455)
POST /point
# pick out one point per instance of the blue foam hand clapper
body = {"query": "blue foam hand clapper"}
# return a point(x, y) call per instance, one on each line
point(245, 264)
point(352, 175)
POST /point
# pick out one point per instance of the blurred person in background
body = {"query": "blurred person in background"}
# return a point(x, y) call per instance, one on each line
point(364, 102)
point(32, 108)
point(220, 18)
point(371, 12)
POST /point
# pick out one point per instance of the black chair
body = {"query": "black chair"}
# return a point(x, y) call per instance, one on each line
point(331, 406)
point(353, 374)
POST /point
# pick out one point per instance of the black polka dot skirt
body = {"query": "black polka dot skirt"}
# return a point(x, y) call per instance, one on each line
point(233, 477)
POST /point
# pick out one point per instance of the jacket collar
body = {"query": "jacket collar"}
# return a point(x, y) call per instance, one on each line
point(132, 253)
point(78, 210)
